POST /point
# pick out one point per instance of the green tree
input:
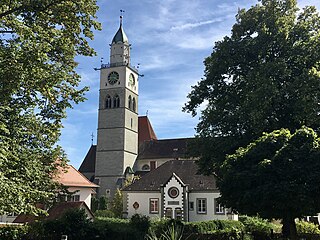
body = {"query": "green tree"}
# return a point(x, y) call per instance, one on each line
point(117, 204)
point(276, 176)
point(38, 43)
point(264, 77)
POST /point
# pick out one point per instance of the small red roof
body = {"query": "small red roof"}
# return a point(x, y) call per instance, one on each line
point(145, 131)
point(71, 177)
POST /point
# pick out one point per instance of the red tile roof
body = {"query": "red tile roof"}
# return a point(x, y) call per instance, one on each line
point(71, 177)
point(145, 130)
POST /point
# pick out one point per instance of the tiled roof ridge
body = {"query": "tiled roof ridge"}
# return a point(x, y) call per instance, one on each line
point(86, 179)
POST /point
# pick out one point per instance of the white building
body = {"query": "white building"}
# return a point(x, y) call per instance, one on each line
point(175, 190)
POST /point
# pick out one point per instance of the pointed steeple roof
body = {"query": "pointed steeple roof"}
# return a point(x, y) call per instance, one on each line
point(120, 35)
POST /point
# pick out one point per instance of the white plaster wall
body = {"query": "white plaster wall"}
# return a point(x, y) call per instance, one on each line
point(173, 182)
point(7, 219)
point(143, 198)
point(194, 216)
point(85, 194)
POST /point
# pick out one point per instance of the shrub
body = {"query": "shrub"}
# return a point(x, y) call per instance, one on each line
point(307, 227)
point(104, 213)
point(259, 228)
point(13, 232)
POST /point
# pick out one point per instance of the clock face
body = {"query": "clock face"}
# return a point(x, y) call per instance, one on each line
point(131, 79)
point(113, 77)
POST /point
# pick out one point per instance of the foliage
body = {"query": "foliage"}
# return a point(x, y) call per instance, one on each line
point(260, 178)
point(257, 227)
point(140, 222)
point(38, 43)
point(104, 214)
point(113, 228)
point(307, 227)
point(263, 77)
point(13, 232)
point(73, 223)
point(117, 204)
point(100, 203)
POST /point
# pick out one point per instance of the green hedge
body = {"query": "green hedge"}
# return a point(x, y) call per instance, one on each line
point(13, 232)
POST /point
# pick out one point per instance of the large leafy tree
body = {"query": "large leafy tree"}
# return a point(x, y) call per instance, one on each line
point(263, 77)
point(276, 176)
point(39, 40)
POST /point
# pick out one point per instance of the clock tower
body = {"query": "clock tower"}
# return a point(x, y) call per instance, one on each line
point(117, 137)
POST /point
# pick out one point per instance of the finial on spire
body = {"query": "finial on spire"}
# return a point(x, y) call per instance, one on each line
point(121, 16)
point(92, 136)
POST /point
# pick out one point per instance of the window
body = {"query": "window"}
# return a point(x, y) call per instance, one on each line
point(145, 167)
point(154, 205)
point(191, 206)
point(178, 214)
point(219, 209)
point(116, 101)
point(129, 102)
point(134, 104)
point(173, 192)
point(201, 205)
point(153, 165)
point(168, 212)
point(108, 102)
point(73, 198)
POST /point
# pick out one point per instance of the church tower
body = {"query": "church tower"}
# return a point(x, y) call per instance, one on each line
point(117, 137)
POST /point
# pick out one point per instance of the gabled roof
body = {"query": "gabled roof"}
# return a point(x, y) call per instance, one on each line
point(71, 177)
point(164, 148)
point(145, 130)
point(186, 170)
point(89, 162)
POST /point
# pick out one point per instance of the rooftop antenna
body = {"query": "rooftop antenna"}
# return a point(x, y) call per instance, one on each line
point(147, 113)
point(92, 136)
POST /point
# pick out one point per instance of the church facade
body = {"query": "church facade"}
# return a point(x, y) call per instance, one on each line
point(127, 145)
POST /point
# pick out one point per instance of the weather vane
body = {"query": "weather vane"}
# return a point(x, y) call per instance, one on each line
point(92, 136)
point(121, 15)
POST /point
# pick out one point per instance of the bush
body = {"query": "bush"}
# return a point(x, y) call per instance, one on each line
point(13, 232)
point(259, 228)
point(140, 223)
point(113, 228)
point(73, 223)
point(307, 227)
point(104, 214)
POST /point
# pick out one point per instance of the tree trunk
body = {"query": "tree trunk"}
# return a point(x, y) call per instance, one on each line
point(289, 229)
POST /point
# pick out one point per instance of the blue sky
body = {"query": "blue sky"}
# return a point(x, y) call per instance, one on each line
point(170, 39)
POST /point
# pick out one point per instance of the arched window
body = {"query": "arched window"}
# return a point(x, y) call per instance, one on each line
point(178, 214)
point(108, 102)
point(129, 102)
point(168, 212)
point(145, 167)
point(134, 104)
point(116, 101)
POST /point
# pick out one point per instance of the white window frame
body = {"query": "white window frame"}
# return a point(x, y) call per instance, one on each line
point(153, 205)
point(218, 208)
point(201, 205)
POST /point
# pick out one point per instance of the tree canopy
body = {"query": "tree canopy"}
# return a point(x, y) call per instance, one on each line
point(265, 76)
point(39, 40)
point(276, 176)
